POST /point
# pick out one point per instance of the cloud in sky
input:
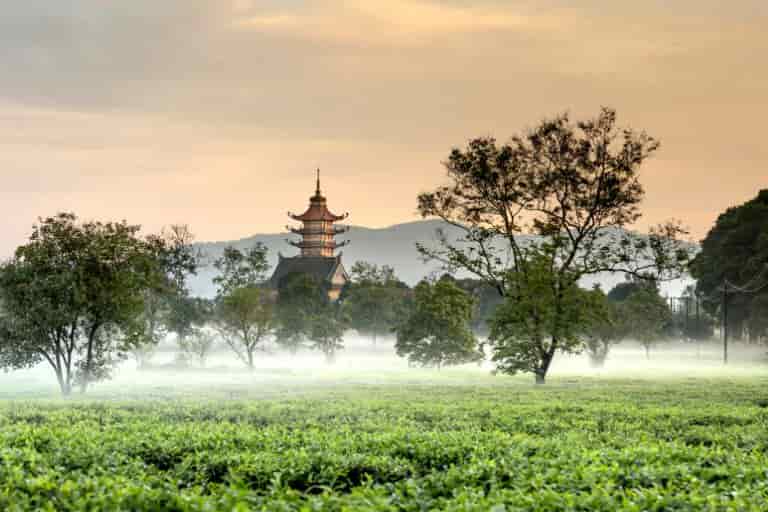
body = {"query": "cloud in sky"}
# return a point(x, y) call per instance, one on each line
point(215, 112)
point(387, 22)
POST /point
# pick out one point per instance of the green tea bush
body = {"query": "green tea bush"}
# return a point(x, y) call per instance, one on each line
point(618, 446)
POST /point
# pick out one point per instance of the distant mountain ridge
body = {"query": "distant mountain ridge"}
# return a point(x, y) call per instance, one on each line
point(394, 245)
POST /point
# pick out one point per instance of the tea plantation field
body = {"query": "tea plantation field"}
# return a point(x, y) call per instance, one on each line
point(453, 444)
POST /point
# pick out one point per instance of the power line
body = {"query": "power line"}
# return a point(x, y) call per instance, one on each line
point(745, 288)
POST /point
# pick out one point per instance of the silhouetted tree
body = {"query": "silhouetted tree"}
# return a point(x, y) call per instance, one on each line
point(576, 186)
point(736, 250)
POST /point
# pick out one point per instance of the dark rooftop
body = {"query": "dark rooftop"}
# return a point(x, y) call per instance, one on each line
point(322, 268)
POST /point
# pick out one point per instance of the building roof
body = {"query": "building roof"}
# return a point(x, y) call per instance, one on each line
point(322, 268)
point(318, 209)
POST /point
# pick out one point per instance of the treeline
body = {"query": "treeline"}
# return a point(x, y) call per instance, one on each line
point(84, 296)
point(537, 215)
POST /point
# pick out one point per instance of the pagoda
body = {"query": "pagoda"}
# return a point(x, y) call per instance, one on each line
point(318, 247)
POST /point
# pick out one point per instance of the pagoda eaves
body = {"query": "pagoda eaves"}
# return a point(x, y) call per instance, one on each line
point(318, 232)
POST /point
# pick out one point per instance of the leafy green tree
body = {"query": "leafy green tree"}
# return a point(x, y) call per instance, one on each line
point(538, 317)
point(307, 317)
point(487, 299)
point(646, 316)
point(152, 317)
point(623, 290)
point(375, 299)
point(603, 327)
point(240, 269)
point(736, 250)
point(244, 312)
point(180, 260)
point(437, 331)
point(73, 297)
point(690, 320)
point(185, 314)
point(245, 319)
point(573, 185)
point(301, 299)
point(198, 346)
point(758, 317)
point(327, 331)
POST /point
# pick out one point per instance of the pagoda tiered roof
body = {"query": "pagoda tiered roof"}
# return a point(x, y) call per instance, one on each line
point(318, 247)
point(318, 210)
point(332, 246)
point(328, 230)
point(318, 231)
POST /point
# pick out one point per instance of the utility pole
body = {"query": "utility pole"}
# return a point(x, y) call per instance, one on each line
point(725, 322)
point(698, 328)
point(698, 316)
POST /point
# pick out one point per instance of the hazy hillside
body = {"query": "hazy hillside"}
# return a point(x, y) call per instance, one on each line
point(394, 245)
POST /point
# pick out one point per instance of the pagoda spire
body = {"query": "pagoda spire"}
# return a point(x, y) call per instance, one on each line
point(318, 231)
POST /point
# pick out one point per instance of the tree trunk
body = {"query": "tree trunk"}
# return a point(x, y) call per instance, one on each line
point(546, 361)
point(647, 351)
point(88, 358)
point(67, 389)
point(64, 385)
point(330, 357)
point(596, 360)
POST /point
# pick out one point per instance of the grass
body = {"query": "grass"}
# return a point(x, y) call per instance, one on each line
point(397, 440)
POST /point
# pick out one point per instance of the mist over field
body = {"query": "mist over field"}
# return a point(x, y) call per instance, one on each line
point(278, 374)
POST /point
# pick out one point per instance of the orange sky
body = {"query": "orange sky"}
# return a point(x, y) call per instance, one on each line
point(216, 113)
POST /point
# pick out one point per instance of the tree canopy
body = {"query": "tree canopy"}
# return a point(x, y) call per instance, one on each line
point(437, 331)
point(576, 187)
point(646, 316)
point(540, 315)
point(244, 311)
point(300, 299)
point(735, 251)
point(73, 296)
point(603, 327)
point(375, 299)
